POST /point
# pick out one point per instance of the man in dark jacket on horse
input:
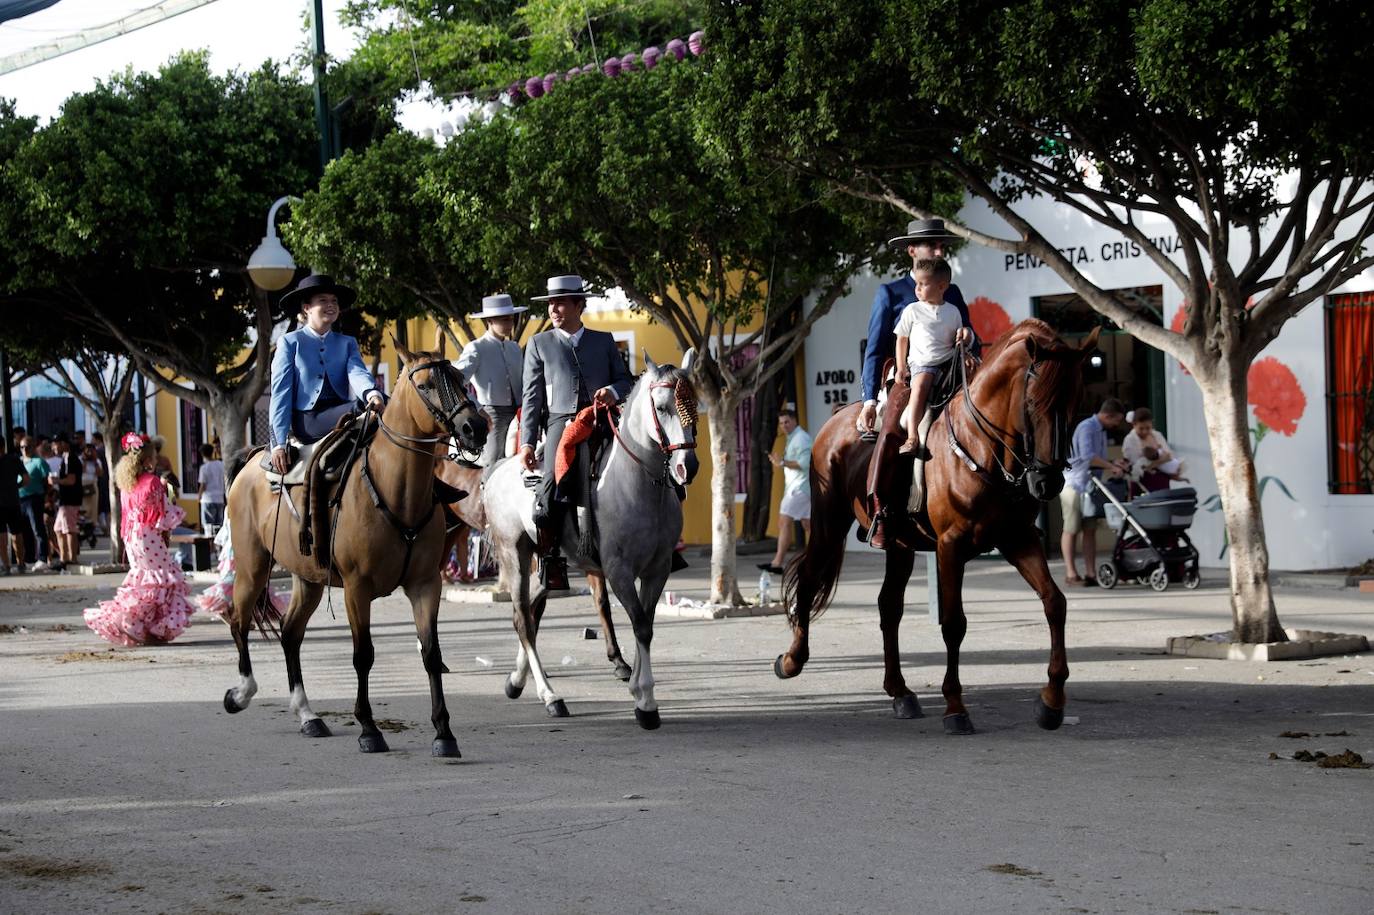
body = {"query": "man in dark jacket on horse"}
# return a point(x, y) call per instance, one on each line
point(567, 369)
point(924, 238)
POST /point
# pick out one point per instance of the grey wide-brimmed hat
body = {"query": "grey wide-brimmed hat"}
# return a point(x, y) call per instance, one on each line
point(314, 284)
point(569, 285)
point(498, 306)
point(923, 230)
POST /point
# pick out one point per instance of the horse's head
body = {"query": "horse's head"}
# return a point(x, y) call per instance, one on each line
point(433, 395)
point(668, 419)
point(1053, 379)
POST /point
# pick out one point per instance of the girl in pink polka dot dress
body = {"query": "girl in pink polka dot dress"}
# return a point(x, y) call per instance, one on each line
point(151, 604)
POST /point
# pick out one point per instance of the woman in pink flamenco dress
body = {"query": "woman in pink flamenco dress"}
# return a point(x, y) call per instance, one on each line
point(151, 605)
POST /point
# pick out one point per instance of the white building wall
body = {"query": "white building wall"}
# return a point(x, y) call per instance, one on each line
point(1313, 530)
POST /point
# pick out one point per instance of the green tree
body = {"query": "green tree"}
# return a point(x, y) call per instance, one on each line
point(606, 178)
point(132, 216)
point(1235, 120)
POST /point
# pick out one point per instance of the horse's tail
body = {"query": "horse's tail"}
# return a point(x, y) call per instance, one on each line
point(809, 583)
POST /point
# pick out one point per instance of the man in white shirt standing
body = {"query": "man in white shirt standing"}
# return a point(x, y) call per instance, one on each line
point(494, 366)
point(211, 479)
point(796, 485)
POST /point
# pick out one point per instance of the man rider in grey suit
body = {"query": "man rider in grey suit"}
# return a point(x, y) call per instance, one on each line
point(567, 369)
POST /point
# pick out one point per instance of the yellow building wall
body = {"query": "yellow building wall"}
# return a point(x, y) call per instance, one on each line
point(644, 334)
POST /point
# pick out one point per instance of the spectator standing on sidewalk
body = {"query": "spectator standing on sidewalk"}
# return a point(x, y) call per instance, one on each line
point(12, 521)
point(31, 498)
point(211, 489)
point(67, 518)
point(1087, 458)
point(796, 485)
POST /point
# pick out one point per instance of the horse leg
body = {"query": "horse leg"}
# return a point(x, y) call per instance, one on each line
point(360, 622)
point(953, 626)
point(424, 604)
point(252, 570)
point(890, 609)
point(597, 582)
point(642, 621)
point(527, 611)
point(305, 597)
point(1026, 554)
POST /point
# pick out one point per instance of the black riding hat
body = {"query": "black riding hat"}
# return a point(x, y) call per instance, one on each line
point(314, 284)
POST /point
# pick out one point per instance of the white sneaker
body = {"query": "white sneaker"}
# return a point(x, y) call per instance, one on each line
point(39, 566)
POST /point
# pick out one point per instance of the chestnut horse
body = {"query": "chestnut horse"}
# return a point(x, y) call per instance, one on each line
point(998, 451)
point(472, 516)
point(387, 534)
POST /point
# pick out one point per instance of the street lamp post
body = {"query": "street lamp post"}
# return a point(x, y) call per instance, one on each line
point(271, 266)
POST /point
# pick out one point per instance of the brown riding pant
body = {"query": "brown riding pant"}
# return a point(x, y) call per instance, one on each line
point(882, 465)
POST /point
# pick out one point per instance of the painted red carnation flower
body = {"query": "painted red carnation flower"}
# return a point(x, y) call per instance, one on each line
point(990, 320)
point(1176, 325)
point(1276, 395)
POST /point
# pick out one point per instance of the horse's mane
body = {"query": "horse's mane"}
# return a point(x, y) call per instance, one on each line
point(1043, 334)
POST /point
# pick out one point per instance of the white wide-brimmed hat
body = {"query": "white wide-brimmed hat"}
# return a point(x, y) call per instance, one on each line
point(923, 230)
point(498, 306)
point(570, 285)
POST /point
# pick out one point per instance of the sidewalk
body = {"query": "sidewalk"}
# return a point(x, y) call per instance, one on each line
point(121, 774)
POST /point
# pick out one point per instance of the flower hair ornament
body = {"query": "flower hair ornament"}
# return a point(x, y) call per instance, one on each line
point(133, 441)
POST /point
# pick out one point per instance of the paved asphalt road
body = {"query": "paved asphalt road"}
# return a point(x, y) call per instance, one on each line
point(124, 786)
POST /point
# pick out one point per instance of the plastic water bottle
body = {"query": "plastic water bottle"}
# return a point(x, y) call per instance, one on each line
point(765, 580)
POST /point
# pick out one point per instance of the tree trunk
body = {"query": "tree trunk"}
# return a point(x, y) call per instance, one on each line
point(111, 427)
point(231, 422)
point(1224, 390)
point(720, 418)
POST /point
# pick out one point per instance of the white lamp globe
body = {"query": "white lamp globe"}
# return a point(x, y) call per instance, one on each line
point(271, 266)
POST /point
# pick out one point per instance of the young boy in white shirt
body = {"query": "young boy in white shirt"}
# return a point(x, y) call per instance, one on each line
point(927, 333)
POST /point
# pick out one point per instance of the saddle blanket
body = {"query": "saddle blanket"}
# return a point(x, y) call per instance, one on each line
point(577, 431)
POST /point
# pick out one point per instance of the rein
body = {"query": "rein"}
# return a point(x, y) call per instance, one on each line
point(1028, 461)
point(686, 412)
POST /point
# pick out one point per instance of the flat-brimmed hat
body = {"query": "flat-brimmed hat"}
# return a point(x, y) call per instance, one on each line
point(315, 284)
point(923, 230)
point(570, 285)
point(498, 306)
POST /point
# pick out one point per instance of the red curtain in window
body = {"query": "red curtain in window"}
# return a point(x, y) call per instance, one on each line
point(1352, 387)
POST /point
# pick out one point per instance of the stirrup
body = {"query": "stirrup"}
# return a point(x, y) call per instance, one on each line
point(553, 572)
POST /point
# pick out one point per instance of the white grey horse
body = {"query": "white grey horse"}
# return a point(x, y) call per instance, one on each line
point(638, 523)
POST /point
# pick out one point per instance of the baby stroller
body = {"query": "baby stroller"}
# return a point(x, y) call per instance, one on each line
point(1152, 545)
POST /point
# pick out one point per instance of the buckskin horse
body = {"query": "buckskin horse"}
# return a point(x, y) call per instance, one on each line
point(472, 516)
point(638, 523)
point(998, 451)
point(387, 534)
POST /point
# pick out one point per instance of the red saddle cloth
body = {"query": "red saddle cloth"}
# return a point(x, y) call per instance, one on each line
point(581, 428)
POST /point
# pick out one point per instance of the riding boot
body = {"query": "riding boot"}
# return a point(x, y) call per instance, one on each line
point(882, 465)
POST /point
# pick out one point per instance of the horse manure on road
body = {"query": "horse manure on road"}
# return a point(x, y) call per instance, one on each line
point(109, 654)
point(392, 725)
point(1295, 735)
point(52, 869)
point(1347, 760)
point(1013, 870)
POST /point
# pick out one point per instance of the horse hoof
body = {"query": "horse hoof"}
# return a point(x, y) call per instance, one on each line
point(372, 743)
point(513, 691)
point(1048, 718)
point(623, 672)
point(781, 670)
point(230, 705)
point(445, 747)
point(557, 709)
point(906, 707)
point(959, 724)
point(315, 727)
point(649, 721)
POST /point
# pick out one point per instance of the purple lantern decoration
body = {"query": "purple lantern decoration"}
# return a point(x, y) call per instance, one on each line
point(627, 63)
point(513, 92)
point(650, 57)
point(696, 41)
point(677, 48)
point(550, 80)
point(534, 87)
point(611, 67)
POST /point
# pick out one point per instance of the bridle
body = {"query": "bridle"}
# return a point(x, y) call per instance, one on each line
point(685, 402)
point(1032, 466)
point(447, 390)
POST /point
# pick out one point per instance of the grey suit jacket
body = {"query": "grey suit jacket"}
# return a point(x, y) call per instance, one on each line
point(553, 373)
point(495, 370)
